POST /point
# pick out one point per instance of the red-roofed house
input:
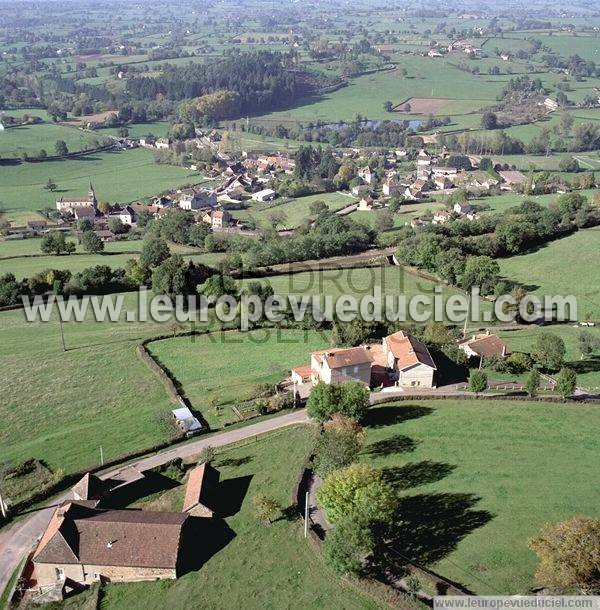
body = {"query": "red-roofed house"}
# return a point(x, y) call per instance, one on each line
point(485, 345)
point(84, 545)
point(409, 360)
point(400, 357)
point(337, 365)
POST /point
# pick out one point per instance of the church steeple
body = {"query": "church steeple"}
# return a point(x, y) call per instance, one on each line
point(91, 193)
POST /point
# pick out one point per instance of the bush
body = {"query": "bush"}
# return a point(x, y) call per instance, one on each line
point(519, 363)
point(566, 382)
point(92, 243)
point(281, 401)
point(549, 352)
point(347, 544)
point(351, 399)
point(533, 383)
point(478, 382)
point(338, 445)
point(358, 491)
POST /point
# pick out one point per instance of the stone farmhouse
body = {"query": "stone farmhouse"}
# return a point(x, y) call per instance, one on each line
point(85, 542)
point(400, 359)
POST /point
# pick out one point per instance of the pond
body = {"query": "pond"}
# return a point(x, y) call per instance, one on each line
point(374, 123)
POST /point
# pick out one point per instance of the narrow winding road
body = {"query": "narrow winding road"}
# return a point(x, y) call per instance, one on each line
point(17, 540)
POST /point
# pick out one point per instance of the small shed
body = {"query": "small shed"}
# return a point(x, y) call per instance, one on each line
point(186, 421)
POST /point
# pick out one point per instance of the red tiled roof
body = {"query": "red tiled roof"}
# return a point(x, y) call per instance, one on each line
point(127, 538)
point(303, 371)
point(340, 357)
point(193, 488)
point(488, 345)
point(408, 350)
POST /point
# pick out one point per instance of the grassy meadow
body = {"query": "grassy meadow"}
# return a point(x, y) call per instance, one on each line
point(296, 211)
point(228, 367)
point(118, 177)
point(567, 266)
point(359, 282)
point(427, 78)
point(23, 257)
point(30, 139)
point(587, 369)
point(477, 479)
point(62, 406)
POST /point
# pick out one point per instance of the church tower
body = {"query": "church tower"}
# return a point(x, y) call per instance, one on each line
point(92, 195)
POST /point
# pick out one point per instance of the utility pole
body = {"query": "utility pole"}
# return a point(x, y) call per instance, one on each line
point(467, 317)
point(56, 291)
point(62, 332)
point(306, 515)
point(3, 507)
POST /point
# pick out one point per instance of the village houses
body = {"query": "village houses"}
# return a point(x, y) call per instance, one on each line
point(400, 359)
point(198, 199)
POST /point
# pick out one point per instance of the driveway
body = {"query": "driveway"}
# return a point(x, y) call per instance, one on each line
point(17, 540)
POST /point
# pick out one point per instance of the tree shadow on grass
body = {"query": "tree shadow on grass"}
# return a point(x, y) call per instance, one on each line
point(395, 444)
point(416, 473)
point(378, 417)
point(428, 527)
point(589, 365)
point(235, 462)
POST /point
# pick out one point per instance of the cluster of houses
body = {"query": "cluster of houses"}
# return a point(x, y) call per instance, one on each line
point(439, 49)
point(73, 209)
point(400, 360)
point(88, 541)
point(201, 140)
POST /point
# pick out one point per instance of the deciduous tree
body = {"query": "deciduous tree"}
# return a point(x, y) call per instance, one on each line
point(358, 491)
point(569, 554)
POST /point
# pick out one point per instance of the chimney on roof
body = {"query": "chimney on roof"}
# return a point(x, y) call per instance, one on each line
point(109, 544)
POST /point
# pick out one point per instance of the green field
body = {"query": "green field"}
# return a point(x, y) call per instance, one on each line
point(587, 161)
point(566, 266)
point(250, 565)
point(23, 257)
point(501, 203)
point(296, 210)
point(159, 129)
point(427, 78)
point(229, 366)
point(118, 177)
point(30, 139)
point(407, 212)
point(479, 478)
point(62, 406)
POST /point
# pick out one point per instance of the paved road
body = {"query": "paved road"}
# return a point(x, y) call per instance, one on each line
point(17, 540)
